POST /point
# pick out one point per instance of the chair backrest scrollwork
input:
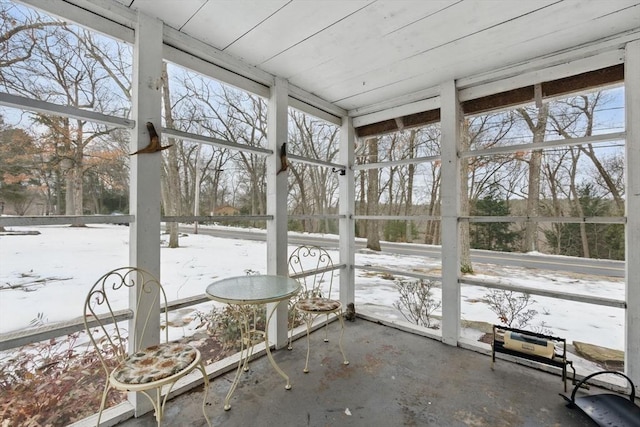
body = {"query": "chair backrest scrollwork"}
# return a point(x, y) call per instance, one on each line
point(313, 267)
point(106, 309)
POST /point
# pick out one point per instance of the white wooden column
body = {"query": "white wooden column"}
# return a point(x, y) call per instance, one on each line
point(346, 225)
point(145, 169)
point(277, 254)
point(632, 110)
point(450, 119)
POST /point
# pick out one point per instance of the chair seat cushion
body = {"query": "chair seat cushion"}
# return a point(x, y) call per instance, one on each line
point(155, 363)
point(317, 304)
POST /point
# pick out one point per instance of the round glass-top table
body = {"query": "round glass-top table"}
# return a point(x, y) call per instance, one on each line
point(255, 289)
point(242, 292)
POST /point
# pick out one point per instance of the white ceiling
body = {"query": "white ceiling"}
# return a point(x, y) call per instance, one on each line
point(358, 53)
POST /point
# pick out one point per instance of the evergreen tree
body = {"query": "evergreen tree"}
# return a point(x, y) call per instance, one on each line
point(494, 235)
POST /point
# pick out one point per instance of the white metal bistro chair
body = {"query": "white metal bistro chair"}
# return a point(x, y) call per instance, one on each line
point(144, 369)
point(313, 267)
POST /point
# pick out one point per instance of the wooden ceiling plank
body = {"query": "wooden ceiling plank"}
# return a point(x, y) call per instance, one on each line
point(421, 48)
point(221, 22)
point(359, 31)
point(418, 38)
point(301, 19)
point(532, 72)
point(211, 70)
point(166, 10)
point(462, 59)
point(189, 45)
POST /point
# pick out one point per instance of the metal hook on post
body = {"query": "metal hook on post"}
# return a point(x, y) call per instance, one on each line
point(342, 171)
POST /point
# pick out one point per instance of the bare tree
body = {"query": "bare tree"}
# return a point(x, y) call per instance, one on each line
point(246, 123)
point(18, 30)
point(59, 69)
point(204, 106)
point(553, 171)
point(411, 170)
point(171, 195)
point(538, 128)
point(373, 234)
point(314, 188)
point(576, 117)
point(465, 245)
point(432, 180)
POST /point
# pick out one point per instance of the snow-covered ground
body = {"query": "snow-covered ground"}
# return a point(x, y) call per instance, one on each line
point(44, 278)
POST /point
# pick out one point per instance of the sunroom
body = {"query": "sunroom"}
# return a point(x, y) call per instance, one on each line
point(483, 150)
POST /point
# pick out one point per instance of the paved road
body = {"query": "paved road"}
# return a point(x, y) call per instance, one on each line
point(606, 268)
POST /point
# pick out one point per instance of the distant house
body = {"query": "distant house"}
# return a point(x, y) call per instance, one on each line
point(227, 211)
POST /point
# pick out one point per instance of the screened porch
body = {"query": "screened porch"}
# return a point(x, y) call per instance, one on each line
point(483, 150)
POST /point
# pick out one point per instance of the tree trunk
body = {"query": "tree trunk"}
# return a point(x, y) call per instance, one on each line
point(298, 178)
point(584, 239)
point(171, 197)
point(408, 234)
point(362, 230)
point(432, 233)
point(373, 235)
point(533, 196)
point(67, 172)
point(78, 170)
point(465, 244)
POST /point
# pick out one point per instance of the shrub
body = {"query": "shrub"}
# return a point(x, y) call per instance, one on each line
point(54, 382)
point(416, 302)
point(511, 307)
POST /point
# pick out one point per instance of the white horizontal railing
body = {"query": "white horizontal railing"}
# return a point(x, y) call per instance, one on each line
point(538, 219)
point(14, 339)
point(398, 272)
point(568, 296)
point(187, 136)
point(214, 218)
point(555, 143)
point(399, 217)
point(317, 216)
point(589, 299)
point(8, 221)
point(14, 101)
point(21, 338)
point(16, 221)
point(381, 165)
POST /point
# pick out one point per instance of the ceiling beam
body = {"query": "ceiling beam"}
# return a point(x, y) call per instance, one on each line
point(44, 107)
point(400, 111)
point(534, 75)
point(550, 89)
point(391, 125)
point(496, 101)
point(105, 17)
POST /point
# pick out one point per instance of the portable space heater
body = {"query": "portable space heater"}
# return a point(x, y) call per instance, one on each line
point(528, 344)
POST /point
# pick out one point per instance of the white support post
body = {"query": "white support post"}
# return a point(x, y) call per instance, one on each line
point(144, 199)
point(451, 116)
point(632, 111)
point(277, 253)
point(346, 225)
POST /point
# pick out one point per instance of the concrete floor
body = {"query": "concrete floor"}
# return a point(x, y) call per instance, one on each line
point(394, 378)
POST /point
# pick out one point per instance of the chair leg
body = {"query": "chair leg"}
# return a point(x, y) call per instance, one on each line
point(103, 401)
point(309, 320)
point(293, 320)
point(206, 391)
point(326, 329)
point(340, 318)
point(160, 405)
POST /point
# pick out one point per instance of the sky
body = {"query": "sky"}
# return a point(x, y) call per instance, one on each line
point(45, 278)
